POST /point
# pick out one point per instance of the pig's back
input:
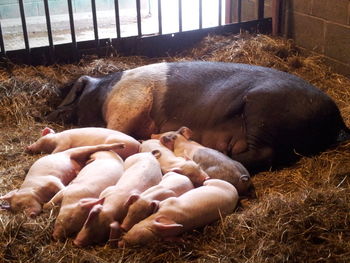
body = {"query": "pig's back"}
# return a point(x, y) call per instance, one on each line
point(202, 205)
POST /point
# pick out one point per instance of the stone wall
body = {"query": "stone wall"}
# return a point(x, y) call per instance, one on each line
point(322, 26)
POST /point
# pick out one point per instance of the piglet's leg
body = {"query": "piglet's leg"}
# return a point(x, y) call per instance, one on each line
point(57, 199)
point(82, 154)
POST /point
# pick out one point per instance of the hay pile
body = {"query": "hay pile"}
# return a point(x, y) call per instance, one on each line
point(301, 214)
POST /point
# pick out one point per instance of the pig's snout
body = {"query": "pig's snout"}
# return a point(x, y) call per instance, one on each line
point(245, 178)
point(28, 149)
point(121, 244)
point(5, 207)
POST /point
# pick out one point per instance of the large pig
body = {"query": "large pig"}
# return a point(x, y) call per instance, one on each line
point(176, 215)
point(142, 171)
point(103, 169)
point(48, 175)
point(214, 163)
point(143, 205)
point(52, 142)
point(171, 163)
point(258, 116)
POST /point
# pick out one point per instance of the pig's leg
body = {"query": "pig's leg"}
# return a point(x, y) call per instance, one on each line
point(258, 138)
point(82, 154)
point(51, 188)
point(129, 108)
point(57, 199)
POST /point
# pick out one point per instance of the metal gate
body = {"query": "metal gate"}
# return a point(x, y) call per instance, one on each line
point(232, 16)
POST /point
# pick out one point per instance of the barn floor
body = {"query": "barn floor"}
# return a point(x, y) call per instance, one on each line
point(301, 213)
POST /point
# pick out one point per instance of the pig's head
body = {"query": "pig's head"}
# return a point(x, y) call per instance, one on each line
point(71, 217)
point(96, 227)
point(22, 200)
point(245, 187)
point(168, 139)
point(193, 171)
point(138, 209)
point(46, 143)
point(150, 229)
point(243, 182)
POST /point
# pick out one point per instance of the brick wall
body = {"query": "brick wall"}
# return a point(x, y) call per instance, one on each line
point(322, 26)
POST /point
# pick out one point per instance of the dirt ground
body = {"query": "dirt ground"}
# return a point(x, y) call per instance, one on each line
point(301, 213)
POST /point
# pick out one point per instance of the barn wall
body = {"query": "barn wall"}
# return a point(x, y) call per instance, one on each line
point(322, 26)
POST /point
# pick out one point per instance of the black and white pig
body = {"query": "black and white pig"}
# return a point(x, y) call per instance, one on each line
point(256, 115)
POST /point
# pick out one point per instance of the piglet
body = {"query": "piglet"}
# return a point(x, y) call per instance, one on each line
point(48, 175)
point(142, 171)
point(52, 142)
point(214, 163)
point(103, 169)
point(176, 215)
point(143, 205)
point(171, 163)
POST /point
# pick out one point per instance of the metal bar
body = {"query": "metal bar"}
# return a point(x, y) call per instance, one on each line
point(24, 25)
point(71, 22)
point(220, 13)
point(117, 18)
point(276, 5)
point(2, 46)
point(239, 11)
point(94, 19)
point(228, 11)
point(160, 28)
point(49, 31)
point(200, 14)
point(180, 15)
point(138, 10)
point(261, 4)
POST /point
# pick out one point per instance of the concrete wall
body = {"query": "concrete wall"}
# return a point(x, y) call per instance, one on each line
point(322, 26)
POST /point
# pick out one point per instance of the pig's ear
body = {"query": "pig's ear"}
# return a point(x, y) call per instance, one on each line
point(168, 141)
point(168, 225)
point(91, 202)
point(115, 232)
point(176, 170)
point(9, 195)
point(156, 153)
point(95, 211)
point(46, 131)
point(187, 156)
point(155, 136)
point(185, 132)
point(154, 205)
point(132, 199)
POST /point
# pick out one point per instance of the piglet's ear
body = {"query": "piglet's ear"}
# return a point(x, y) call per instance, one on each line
point(46, 131)
point(9, 195)
point(176, 170)
point(156, 153)
point(155, 136)
point(95, 211)
point(91, 202)
point(132, 199)
point(185, 132)
point(154, 205)
point(168, 226)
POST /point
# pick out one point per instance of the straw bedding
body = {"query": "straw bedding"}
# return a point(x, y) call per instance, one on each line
point(301, 213)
